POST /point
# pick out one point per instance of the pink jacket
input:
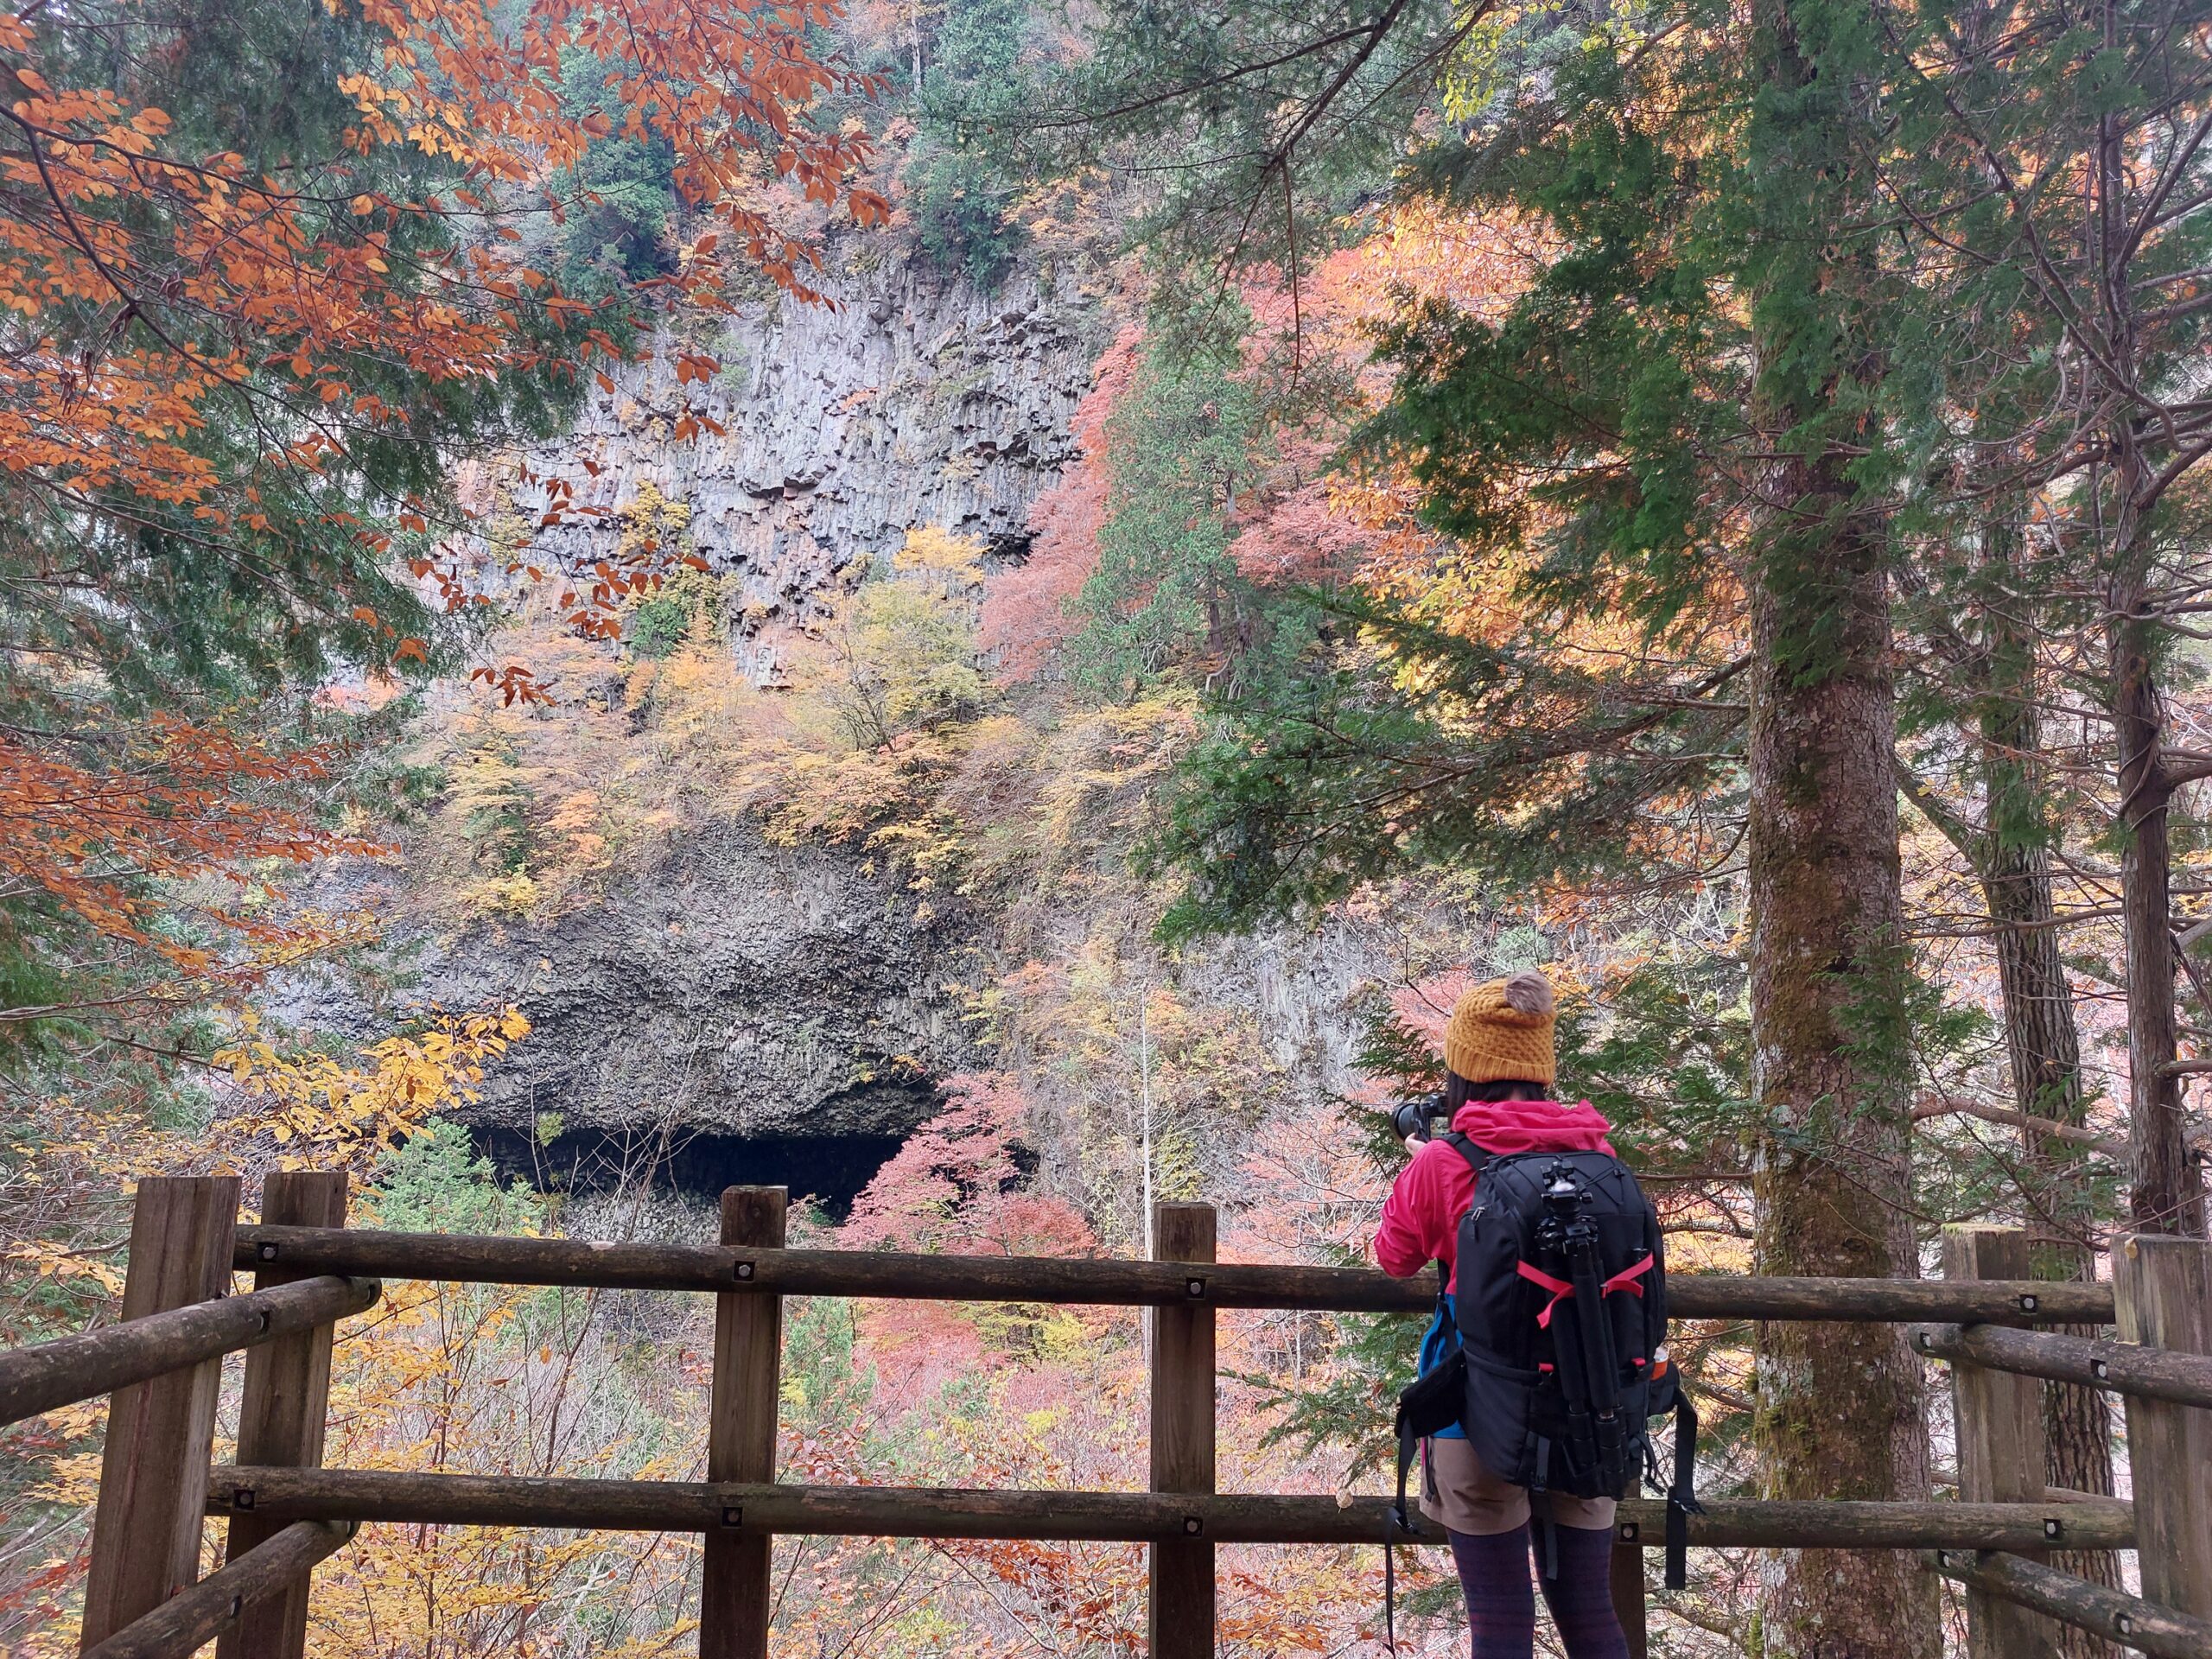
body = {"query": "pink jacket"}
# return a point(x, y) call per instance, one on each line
point(1421, 1219)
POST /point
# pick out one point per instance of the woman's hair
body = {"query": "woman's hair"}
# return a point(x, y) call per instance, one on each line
point(1457, 1091)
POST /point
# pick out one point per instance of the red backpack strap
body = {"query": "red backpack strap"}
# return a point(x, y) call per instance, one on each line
point(1626, 1278)
point(1560, 1288)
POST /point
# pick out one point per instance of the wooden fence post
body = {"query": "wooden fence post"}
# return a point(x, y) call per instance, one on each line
point(733, 1591)
point(152, 1494)
point(1180, 1612)
point(1628, 1596)
point(282, 1413)
point(1999, 1419)
point(2162, 1293)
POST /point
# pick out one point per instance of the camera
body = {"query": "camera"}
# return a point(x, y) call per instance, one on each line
point(1415, 1119)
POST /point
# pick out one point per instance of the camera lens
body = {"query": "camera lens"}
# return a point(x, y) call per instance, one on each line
point(1415, 1119)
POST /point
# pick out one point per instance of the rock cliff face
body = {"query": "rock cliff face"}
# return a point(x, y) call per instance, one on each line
point(744, 991)
point(743, 1012)
point(917, 400)
point(747, 1013)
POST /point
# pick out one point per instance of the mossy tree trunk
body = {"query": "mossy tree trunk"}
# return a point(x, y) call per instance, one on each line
point(1841, 1409)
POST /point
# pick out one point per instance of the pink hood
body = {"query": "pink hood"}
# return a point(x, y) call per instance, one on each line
point(1509, 1126)
point(1421, 1219)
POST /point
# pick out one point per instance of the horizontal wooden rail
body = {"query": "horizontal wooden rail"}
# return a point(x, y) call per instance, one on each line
point(585, 1262)
point(1134, 1518)
point(2129, 1620)
point(37, 1379)
point(199, 1613)
point(2122, 1367)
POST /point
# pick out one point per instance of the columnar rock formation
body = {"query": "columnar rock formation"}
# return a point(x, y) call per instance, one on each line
point(915, 399)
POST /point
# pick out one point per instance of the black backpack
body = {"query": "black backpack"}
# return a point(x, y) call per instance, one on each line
point(1562, 1317)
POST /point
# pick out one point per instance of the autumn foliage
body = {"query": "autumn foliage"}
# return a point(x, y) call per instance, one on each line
point(1294, 503)
point(317, 308)
point(955, 1187)
point(266, 272)
point(173, 808)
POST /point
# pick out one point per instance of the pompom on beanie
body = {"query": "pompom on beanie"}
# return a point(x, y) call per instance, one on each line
point(1502, 1030)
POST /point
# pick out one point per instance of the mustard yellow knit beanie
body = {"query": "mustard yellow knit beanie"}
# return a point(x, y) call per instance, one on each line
point(1504, 1029)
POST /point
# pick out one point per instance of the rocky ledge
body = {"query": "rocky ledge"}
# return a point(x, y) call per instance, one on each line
point(740, 1012)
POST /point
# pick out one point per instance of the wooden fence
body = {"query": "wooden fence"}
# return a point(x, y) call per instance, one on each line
point(286, 1512)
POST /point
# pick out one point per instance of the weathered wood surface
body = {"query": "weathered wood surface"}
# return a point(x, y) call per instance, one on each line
point(61, 1373)
point(1137, 1517)
point(736, 1594)
point(1629, 1603)
point(1180, 1611)
point(212, 1607)
point(1106, 1283)
point(147, 1523)
point(282, 1411)
point(1998, 1418)
point(2164, 1288)
point(2129, 1620)
point(2122, 1367)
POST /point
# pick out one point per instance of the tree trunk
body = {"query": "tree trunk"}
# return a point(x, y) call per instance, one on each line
point(2167, 1194)
point(1841, 1412)
point(1840, 1406)
point(2043, 1045)
point(2043, 1041)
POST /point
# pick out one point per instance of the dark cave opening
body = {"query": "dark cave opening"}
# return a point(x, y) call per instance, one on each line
point(832, 1169)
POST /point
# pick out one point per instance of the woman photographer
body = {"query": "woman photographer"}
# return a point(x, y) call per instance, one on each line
point(1498, 1050)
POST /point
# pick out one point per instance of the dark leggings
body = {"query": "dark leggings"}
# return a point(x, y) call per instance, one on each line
point(1494, 1574)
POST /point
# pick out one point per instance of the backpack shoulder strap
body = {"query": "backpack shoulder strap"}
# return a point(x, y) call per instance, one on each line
point(1478, 1160)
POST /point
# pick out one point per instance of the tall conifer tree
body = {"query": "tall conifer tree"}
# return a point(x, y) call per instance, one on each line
point(1841, 1409)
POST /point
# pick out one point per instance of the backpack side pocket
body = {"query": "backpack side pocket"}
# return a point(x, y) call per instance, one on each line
point(1433, 1400)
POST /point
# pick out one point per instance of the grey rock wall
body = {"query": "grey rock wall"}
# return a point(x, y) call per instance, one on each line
point(744, 991)
point(739, 989)
point(917, 400)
